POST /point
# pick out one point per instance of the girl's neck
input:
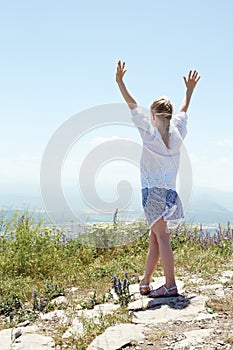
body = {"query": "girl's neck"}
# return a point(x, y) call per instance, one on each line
point(159, 124)
point(162, 130)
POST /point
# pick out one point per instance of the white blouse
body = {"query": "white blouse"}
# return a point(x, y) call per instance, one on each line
point(159, 164)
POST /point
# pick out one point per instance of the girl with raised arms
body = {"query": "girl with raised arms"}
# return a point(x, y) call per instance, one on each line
point(159, 166)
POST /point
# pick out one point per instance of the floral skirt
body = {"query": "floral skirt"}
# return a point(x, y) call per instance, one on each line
point(160, 202)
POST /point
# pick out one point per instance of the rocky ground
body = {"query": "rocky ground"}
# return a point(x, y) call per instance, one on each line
point(184, 322)
point(178, 323)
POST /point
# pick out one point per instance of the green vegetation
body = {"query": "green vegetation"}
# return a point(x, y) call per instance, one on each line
point(38, 263)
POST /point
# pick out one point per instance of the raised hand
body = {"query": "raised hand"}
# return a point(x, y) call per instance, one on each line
point(125, 93)
point(190, 82)
point(120, 71)
point(192, 79)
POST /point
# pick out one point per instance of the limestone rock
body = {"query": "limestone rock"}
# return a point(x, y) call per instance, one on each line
point(117, 336)
point(228, 273)
point(194, 280)
point(76, 329)
point(147, 303)
point(170, 309)
point(226, 276)
point(103, 309)
point(24, 324)
point(59, 300)
point(20, 339)
point(33, 342)
point(56, 315)
point(216, 289)
point(193, 338)
point(27, 329)
point(73, 290)
point(6, 338)
point(78, 307)
point(106, 308)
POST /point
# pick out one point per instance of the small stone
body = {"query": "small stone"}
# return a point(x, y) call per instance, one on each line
point(59, 300)
point(23, 324)
point(57, 316)
point(53, 315)
point(102, 309)
point(17, 333)
point(228, 273)
point(73, 289)
point(75, 330)
point(106, 308)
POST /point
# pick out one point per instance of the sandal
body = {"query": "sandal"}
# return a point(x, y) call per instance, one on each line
point(144, 289)
point(166, 292)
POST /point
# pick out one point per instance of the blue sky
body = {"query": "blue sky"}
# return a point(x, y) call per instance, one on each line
point(59, 58)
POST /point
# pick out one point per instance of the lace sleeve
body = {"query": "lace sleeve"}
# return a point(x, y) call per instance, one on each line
point(141, 121)
point(180, 123)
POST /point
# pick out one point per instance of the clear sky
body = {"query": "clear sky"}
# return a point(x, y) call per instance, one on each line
point(59, 58)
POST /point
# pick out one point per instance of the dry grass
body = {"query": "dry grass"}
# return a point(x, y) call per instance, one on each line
point(223, 305)
point(157, 336)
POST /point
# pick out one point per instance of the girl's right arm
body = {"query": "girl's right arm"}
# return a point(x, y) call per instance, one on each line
point(190, 83)
point(139, 118)
point(119, 79)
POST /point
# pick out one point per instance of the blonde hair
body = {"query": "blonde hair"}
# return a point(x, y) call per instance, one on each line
point(163, 109)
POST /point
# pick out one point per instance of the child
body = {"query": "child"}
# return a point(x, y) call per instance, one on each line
point(159, 166)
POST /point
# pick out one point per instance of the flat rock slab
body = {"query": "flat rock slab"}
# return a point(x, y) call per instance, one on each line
point(59, 300)
point(216, 289)
point(117, 336)
point(194, 337)
point(54, 316)
point(101, 309)
point(10, 335)
point(171, 309)
point(145, 303)
point(226, 276)
point(33, 342)
point(6, 336)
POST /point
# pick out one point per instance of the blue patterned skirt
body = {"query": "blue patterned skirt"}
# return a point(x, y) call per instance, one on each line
point(160, 202)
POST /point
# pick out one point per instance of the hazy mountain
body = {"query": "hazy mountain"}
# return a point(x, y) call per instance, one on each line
point(208, 212)
point(224, 198)
point(207, 206)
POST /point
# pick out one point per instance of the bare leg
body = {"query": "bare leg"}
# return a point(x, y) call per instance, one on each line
point(166, 253)
point(152, 258)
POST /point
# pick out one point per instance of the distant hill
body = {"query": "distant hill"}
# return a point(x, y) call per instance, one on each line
point(208, 212)
point(207, 206)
